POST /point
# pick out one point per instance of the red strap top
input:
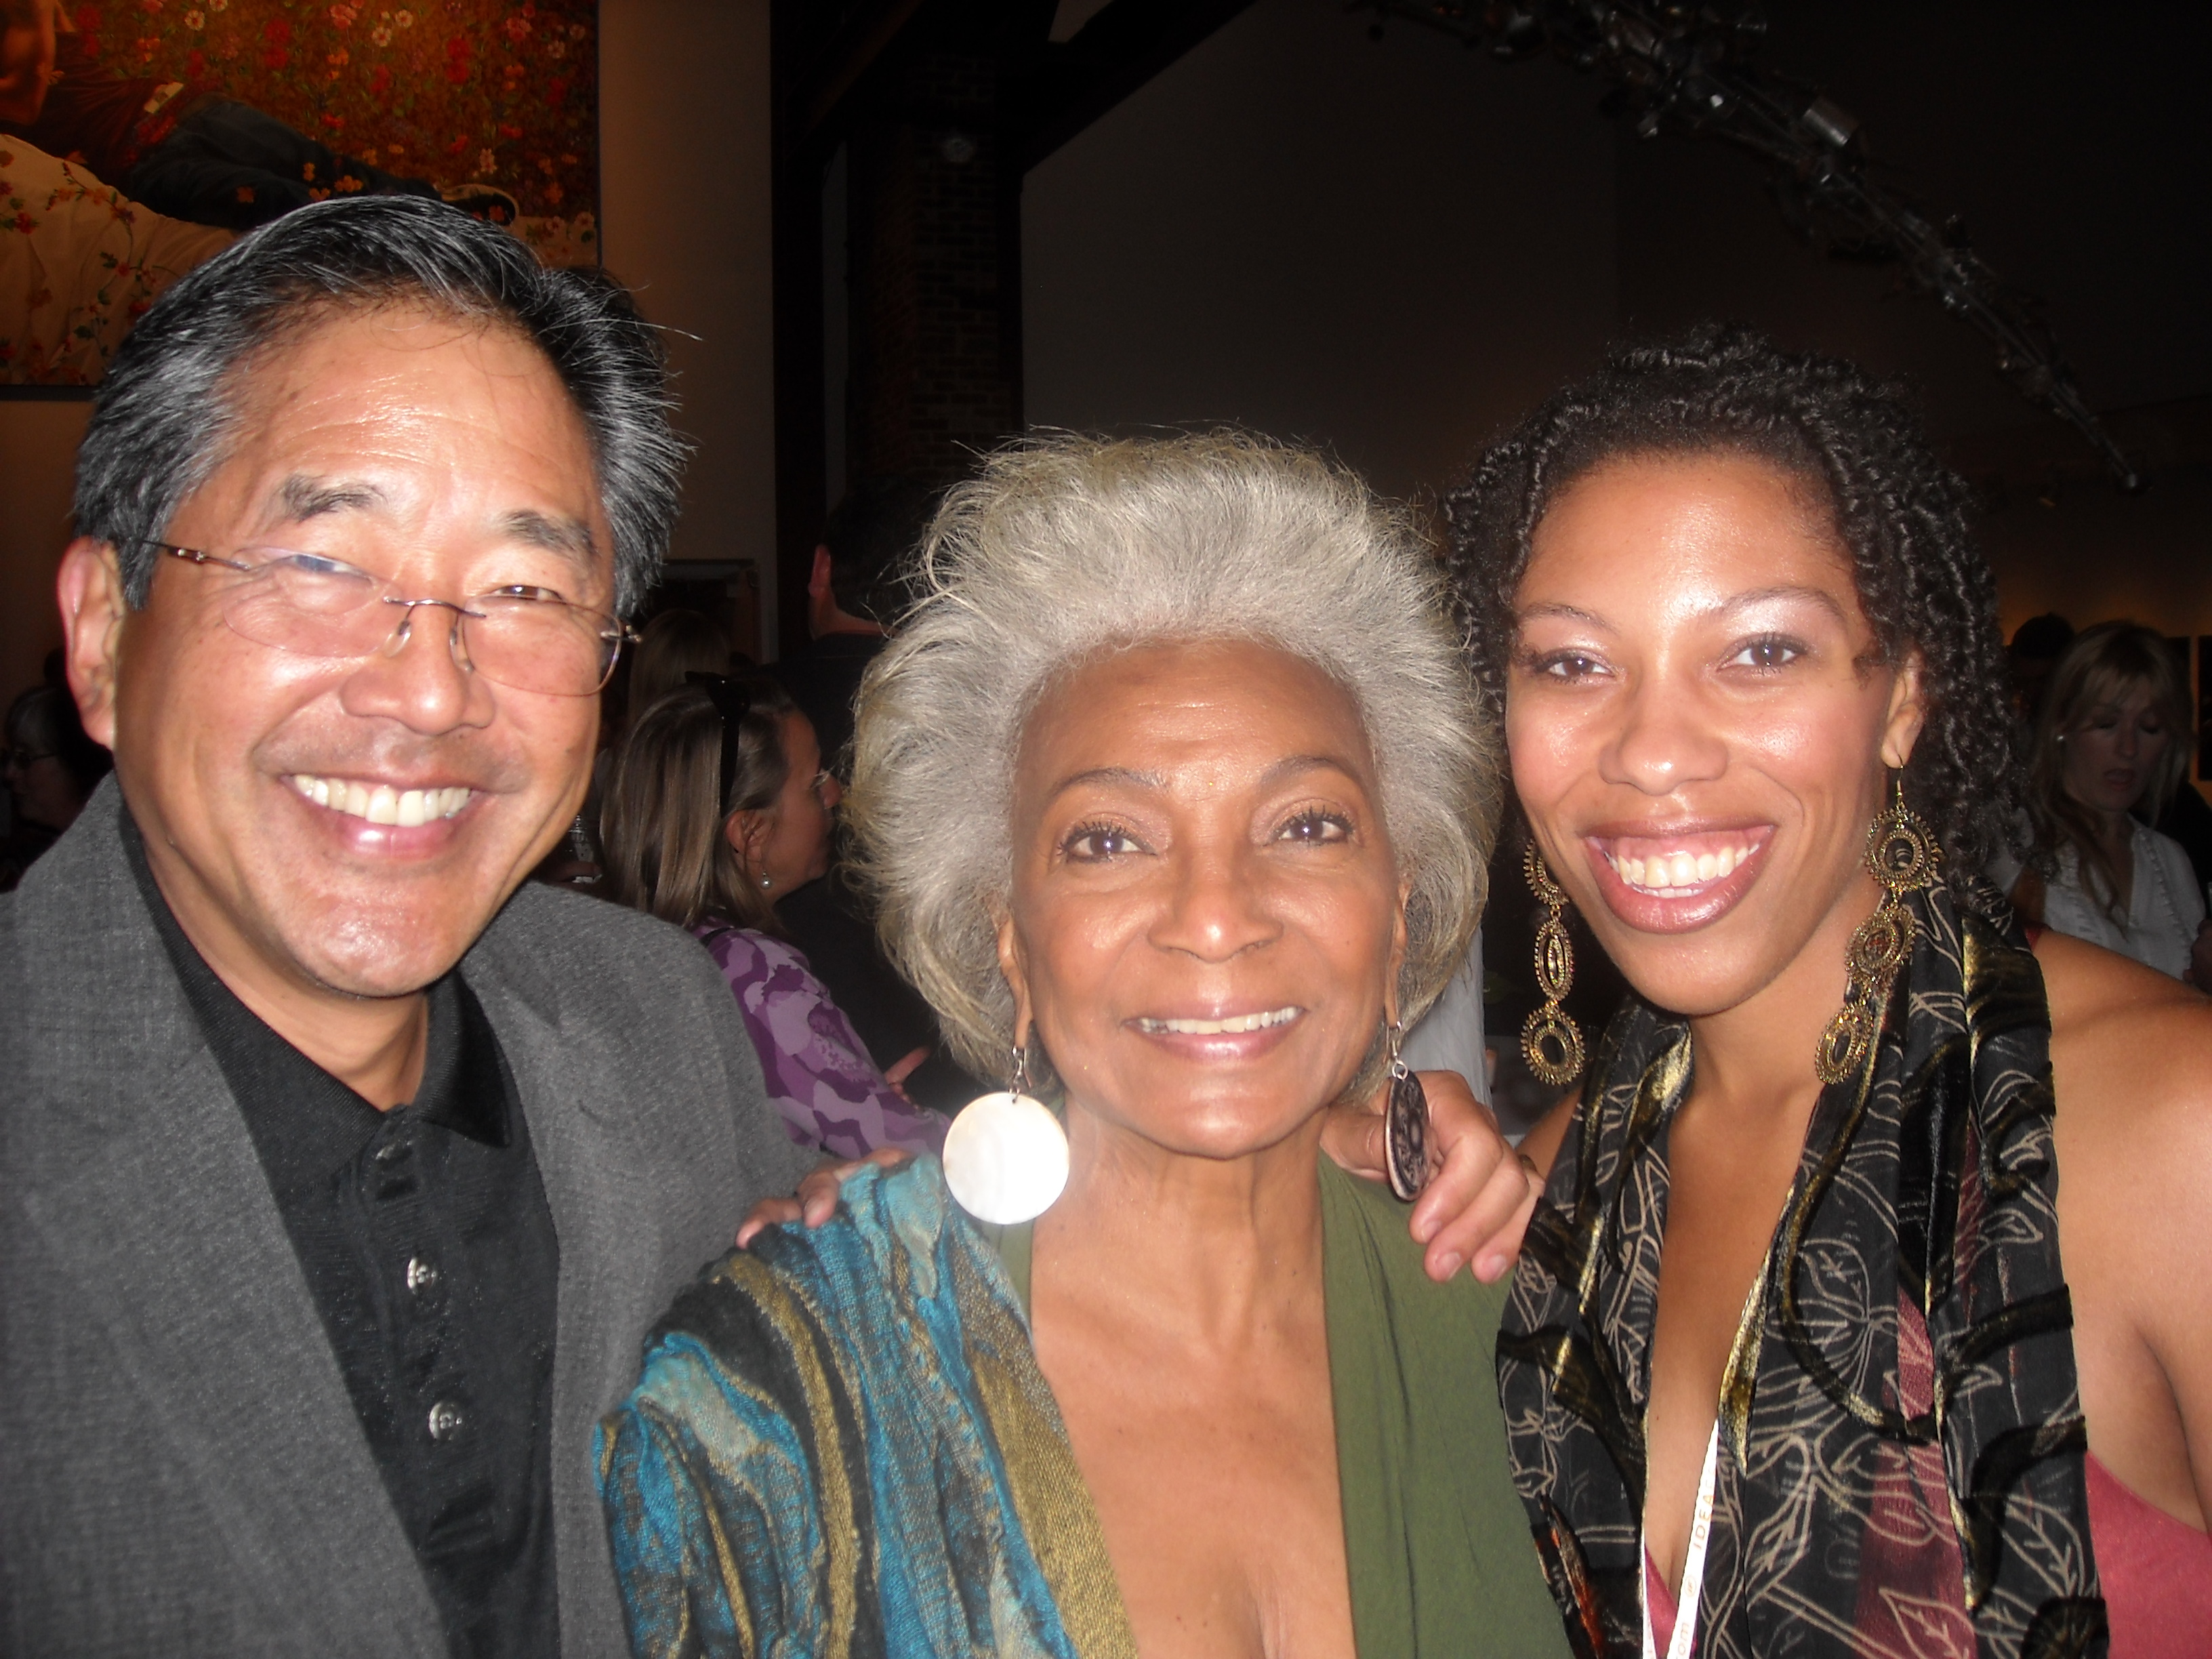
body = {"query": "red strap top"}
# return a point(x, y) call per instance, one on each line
point(1661, 1601)
point(2157, 1573)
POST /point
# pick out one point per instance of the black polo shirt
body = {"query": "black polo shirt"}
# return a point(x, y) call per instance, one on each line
point(427, 1244)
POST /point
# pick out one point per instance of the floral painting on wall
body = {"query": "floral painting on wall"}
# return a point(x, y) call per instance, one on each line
point(137, 136)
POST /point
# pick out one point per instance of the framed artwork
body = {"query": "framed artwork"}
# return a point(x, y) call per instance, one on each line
point(138, 137)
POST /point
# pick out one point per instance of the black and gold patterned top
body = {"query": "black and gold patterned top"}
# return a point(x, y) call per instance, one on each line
point(1901, 1437)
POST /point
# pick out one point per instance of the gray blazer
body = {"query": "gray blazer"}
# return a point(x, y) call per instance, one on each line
point(181, 1470)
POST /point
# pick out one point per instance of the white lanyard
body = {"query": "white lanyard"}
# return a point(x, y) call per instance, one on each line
point(1693, 1564)
point(1701, 1518)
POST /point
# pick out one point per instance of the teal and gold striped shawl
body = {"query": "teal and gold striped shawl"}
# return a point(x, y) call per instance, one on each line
point(843, 1447)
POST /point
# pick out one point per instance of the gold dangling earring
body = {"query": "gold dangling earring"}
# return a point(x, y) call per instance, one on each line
point(1902, 855)
point(1551, 1042)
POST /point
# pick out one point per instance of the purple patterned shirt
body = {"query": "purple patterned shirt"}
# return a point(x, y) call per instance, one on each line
point(820, 1079)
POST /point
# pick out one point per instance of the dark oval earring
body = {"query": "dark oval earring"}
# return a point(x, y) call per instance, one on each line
point(1405, 1126)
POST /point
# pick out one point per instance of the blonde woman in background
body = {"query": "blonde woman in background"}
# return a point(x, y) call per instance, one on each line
point(2112, 738)
point(673, 645)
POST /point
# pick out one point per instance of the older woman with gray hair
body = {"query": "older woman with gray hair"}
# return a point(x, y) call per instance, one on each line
point(1173, 790)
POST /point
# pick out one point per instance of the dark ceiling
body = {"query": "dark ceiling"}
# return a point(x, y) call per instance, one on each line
point(1389, 245)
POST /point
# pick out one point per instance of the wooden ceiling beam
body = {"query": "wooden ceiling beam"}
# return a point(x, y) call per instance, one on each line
point(863, 47)
point(1072, 83)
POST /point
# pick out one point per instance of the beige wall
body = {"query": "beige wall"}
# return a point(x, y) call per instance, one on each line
point(2095, 554)
point(1389, 248)
point(37, 454)
point(684, 180)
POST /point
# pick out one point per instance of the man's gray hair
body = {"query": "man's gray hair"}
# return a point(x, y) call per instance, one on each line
point(1066, 547)
point(165, 408)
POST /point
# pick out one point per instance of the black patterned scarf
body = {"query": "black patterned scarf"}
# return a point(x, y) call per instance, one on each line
point(1901, 1440)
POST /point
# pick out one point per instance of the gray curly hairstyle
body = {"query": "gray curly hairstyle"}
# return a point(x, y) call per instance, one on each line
point(1065, 548)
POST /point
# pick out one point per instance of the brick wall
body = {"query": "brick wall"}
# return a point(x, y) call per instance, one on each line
point(935, 244)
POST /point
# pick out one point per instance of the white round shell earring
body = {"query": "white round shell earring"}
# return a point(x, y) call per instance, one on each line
point(1006, 1156)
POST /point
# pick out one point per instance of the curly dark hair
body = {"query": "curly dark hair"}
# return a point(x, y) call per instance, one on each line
point(1899, 510)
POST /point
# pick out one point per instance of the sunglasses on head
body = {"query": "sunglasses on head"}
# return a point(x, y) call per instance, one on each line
point(732, 702)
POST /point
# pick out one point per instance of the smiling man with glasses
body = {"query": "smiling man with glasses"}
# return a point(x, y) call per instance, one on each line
point(339, 1178)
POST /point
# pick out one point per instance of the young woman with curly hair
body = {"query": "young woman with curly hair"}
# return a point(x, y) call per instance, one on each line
point(1791, 1343)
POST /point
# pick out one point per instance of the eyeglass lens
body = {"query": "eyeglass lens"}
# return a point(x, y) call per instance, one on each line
point(320, 608)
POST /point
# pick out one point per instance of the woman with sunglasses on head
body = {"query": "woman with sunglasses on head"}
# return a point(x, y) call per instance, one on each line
point(719, 803)
point(1809, 1341)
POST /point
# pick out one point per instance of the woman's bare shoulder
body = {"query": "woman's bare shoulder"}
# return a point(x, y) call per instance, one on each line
point(2131, 1073)
point(2130, 1047)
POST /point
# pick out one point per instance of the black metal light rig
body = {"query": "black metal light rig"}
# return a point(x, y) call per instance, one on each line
point(1691, 69)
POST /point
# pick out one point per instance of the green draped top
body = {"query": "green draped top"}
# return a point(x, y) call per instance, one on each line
point(1441, 1558)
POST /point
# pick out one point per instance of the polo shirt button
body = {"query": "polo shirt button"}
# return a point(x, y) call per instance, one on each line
point(445, 1420)
point(422, 1275)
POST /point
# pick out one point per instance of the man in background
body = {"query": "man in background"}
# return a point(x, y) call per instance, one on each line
point(853, 595)
point(2037, 645)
